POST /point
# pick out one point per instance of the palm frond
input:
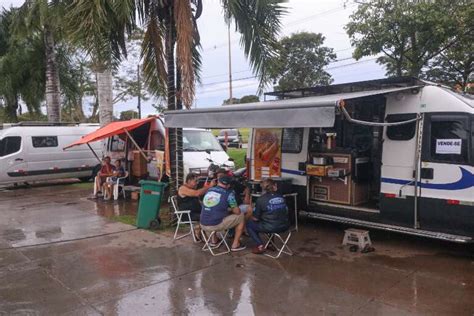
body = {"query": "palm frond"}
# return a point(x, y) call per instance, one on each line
point(183, 20)
point(259, 22)
point(153, 55)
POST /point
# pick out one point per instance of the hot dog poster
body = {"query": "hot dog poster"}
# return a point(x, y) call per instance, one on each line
point(267, 152)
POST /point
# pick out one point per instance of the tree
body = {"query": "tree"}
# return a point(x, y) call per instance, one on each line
point(44, 17)
point(249, 98)
point(22, 69)
point(245, 99)
point(453, 67)
point(171, 57)
point(100, 28)
point(408, 33)
point(128, 115)
point(302, 61)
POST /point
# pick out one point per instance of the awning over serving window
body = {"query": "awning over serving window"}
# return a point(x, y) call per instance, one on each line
point(318, 111)
point(111, 129)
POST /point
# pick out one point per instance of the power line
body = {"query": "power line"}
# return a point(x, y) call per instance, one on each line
point(290, 24)
point(254, 77)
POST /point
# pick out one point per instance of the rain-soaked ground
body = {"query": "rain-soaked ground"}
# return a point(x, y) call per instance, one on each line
point(59, 254)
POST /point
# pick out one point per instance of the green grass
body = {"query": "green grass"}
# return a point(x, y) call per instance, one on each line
point(243, 131)
point(238, 155)
point(126, 219)
point(83, 185)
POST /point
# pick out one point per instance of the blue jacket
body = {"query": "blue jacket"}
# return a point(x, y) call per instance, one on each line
point(272, 213)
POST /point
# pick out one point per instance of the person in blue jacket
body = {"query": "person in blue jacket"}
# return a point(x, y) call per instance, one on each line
point(269, 216)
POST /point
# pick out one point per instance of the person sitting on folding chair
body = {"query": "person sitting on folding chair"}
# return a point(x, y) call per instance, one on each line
point(215, 212)
point(269, 216)
point(188, 199)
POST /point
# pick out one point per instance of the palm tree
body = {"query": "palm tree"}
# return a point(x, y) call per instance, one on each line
point(44, 17)
point(21, 69)
point(100, 28)
point(170, 49)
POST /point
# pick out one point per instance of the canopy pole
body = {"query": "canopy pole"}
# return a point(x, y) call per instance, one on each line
point(95, 154)
point(136, 145)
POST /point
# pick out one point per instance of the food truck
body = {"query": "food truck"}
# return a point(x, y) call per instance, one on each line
point(394, 154)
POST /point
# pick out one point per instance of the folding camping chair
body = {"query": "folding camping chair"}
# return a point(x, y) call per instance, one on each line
point(273, 239)
point(180, 220)
point(212, 248)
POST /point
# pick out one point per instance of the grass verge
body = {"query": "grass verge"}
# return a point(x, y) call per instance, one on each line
point(126, 219)
point(238, 155)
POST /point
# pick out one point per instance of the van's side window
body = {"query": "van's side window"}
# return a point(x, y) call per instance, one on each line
point(45, 141)
point(292, 140)
point(10, 145)
point(403, 131)
point(449, 139)
point(116, 144)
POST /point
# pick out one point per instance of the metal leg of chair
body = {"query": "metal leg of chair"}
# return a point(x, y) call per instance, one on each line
point(207, 245)
point(177, 225)
point(296, 212)
point(279, 249)
point(191, 227)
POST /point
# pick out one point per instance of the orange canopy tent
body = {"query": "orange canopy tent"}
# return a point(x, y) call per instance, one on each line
point(111, 129)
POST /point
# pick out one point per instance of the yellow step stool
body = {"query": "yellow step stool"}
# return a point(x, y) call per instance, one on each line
point(357, 237)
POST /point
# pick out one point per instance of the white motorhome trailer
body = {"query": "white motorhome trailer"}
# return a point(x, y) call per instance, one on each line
point(394, 154)
point(136, 142)
point(34, 151)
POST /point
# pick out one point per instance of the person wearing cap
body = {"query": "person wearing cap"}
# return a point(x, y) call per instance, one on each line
point(269, 216)
point(215, 215)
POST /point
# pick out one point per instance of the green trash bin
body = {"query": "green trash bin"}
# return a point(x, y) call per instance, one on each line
point(149, 204)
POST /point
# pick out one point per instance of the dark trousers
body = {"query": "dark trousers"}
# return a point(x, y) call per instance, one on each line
point(253, 229)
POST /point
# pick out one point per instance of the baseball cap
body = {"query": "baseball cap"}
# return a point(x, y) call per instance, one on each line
point(225, 180)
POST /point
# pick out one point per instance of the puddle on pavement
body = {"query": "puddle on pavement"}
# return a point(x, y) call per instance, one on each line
point(13, 234)
point(50, 233)
point(115, 208)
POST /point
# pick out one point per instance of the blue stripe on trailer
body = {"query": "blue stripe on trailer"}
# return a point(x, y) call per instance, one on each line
point(466, 181)
point(295, 172)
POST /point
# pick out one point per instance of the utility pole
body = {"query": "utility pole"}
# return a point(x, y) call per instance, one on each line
point(139, 105)
point(230, 64)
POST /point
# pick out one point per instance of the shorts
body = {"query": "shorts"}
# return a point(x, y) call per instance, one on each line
point(244, 208)
point(111, 179)
point(228, 222)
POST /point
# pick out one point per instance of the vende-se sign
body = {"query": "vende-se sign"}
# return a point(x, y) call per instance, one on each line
point(448, 146)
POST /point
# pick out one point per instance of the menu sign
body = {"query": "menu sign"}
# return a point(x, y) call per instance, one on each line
point(267, 152)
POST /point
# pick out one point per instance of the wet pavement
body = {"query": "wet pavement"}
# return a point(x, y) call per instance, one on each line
point(60, 254)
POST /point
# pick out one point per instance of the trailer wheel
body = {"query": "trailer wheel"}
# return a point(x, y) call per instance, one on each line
point(155, 224)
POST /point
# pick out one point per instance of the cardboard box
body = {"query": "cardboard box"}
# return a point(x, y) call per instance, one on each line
point(315, 170)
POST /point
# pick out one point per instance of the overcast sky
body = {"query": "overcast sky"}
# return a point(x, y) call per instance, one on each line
point(321, 16)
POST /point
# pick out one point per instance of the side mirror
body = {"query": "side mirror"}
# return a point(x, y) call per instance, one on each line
point(208, 151)
point(231, 159)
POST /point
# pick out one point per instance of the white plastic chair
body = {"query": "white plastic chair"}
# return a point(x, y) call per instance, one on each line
point(116, 185)
point(120, 183)
point(180, 220)
point(273, 238)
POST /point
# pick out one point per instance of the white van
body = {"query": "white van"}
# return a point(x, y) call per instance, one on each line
point(34, 152)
